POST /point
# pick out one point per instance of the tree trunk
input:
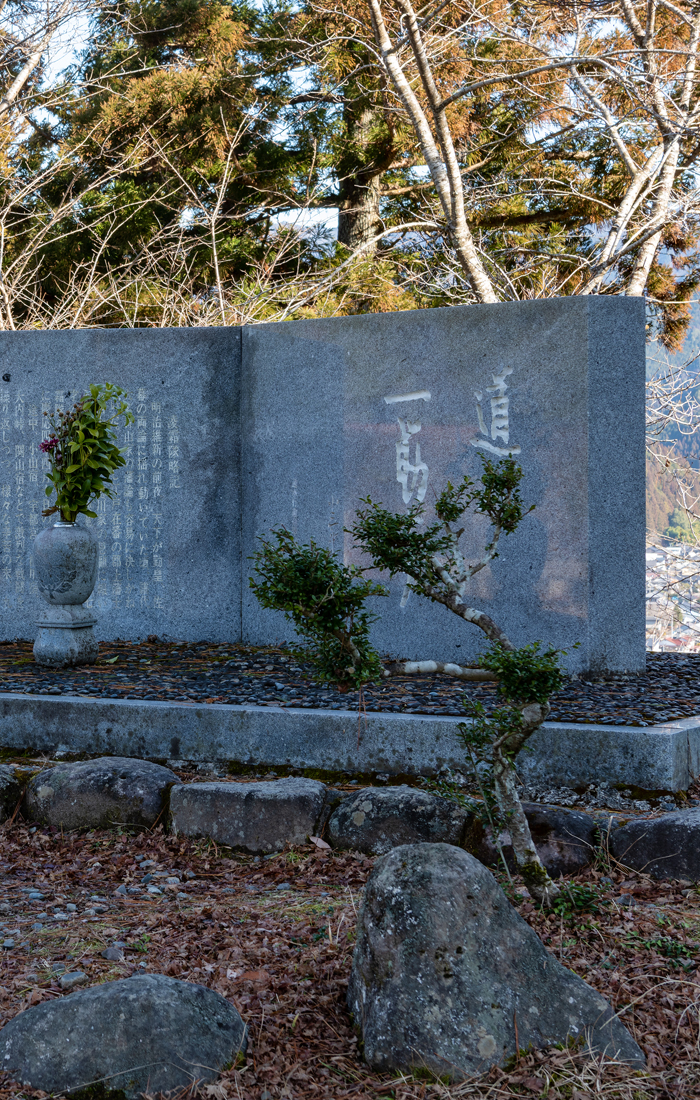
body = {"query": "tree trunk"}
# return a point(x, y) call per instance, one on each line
point(360, 180)
point(645, 257)
point(505, 781)
point(358, 213)
point(442, 163)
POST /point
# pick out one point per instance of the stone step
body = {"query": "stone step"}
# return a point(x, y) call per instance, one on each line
point(664, 757)
point(255, 817)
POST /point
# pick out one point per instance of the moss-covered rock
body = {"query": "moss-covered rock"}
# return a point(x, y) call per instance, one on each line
point(377, 819)
point(95, 794)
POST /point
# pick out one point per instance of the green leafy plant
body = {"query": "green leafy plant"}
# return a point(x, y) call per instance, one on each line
point(83, 452)
point(431, 556)
point(437, 569)
point(680, 955)
point(527, 678)
point(324, 600)
point(576, 898)
point(476, 738)
point(525, 675)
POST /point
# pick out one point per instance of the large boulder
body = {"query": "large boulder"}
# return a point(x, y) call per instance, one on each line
point(256, 817)
point(145, 1034)
point(378, 819)
point(10, 791)
point(565, 839)
point(444, 969)
point(663, 847)
point(97, 793)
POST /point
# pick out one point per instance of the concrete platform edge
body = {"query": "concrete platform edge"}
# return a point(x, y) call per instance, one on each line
point(663, 757)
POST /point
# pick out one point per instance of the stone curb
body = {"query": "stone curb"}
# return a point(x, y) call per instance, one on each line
point(664, 757)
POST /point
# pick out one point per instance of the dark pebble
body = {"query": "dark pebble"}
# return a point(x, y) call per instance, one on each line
point(668, 690)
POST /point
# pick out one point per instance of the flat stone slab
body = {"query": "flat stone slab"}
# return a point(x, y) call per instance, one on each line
point(98, 793)
point(378, 819)
point(146, 1034)
point(664, 757)
point(664, 847)
point(257, 817)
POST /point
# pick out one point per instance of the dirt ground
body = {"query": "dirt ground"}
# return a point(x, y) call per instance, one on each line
point(275, 937)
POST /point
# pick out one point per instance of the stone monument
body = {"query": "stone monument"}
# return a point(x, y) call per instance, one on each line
point(240, 430)
point(391, 406)
point(168, 544)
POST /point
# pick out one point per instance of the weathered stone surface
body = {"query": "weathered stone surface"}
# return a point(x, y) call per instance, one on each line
point(96, 793)
point(142, 1034)
point(10, 791)
point(229, 406)
point(65, 636)
point(65, 560)
point(560, 369)
point(257, 817)
point(175, 510)
point(69, 982)
point(564, 839)
point(444, 966)
point(378, 819)
point(654, 758)
point(664, 847)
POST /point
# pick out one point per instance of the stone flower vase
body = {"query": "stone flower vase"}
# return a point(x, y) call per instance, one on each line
point(65, 559)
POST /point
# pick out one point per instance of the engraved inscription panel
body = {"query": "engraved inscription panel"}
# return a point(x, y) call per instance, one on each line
point(129, 527)
point(169, 540)
point(19, 474)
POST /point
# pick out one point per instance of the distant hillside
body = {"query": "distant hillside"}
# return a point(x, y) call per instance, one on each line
point(686, 445)
point(664, 499)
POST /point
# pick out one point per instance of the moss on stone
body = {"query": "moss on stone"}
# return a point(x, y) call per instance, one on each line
point(98, 1091)
point(534, 874)
point(284, 771)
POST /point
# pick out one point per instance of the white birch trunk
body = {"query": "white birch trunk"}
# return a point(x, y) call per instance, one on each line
point(442, 164)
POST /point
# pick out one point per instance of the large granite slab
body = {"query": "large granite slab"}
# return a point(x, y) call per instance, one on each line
point(392, 405)
point(169, 548)
point(238, 431)
point(664, 757)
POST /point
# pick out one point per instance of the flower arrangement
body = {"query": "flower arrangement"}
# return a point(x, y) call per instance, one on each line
point(83, 452)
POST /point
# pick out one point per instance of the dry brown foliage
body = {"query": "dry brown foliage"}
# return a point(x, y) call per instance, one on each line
point(282, 956)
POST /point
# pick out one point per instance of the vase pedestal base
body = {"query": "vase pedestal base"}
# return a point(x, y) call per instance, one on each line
point(65, 636)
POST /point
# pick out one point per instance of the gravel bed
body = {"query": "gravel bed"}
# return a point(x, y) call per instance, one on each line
point(238, 674)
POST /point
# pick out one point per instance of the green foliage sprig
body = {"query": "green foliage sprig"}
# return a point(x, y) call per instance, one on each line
point(324, 600)
point(83, 451)
point(498, 495)
point(400, 544)
point(525, 675)
point(576, 898)
point(477, 737)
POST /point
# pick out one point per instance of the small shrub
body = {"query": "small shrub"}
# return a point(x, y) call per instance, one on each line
point(324, 601)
